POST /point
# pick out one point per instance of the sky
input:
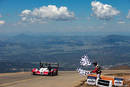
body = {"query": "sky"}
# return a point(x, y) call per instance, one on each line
point(92, 17)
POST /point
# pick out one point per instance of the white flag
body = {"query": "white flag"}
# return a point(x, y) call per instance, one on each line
point(84, 61)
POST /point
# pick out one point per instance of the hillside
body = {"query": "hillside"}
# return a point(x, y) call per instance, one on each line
point(120, 67)
point(22, 52)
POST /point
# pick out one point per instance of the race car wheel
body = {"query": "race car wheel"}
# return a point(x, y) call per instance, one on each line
point(56, 72)
point(33, 73)
point(52, 74)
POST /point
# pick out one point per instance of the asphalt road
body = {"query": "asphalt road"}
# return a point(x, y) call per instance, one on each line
point(13, 78)
point(25, 79)
point(8, 78)
point(64, 79)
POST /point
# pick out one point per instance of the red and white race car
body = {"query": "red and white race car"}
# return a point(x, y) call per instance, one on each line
point(46, 69)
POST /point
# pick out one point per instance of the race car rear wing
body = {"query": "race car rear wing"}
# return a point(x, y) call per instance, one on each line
point(46, 64)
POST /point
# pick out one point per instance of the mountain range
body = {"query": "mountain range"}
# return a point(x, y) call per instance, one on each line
point(23, 52)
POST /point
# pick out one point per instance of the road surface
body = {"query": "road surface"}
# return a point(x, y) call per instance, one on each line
point(64, 79)
point(25, 79)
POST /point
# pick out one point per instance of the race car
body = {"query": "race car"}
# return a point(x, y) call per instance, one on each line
point(46, 69)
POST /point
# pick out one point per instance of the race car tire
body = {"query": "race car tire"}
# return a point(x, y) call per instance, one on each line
point(52, 74)
point(33, 73)
point(57, 72)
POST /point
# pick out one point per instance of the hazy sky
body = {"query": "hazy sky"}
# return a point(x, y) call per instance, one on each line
point(65, 16)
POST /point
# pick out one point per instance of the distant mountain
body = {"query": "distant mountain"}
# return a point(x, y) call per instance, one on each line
point(115, 38)
point(120, 67)
point(67, 50)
